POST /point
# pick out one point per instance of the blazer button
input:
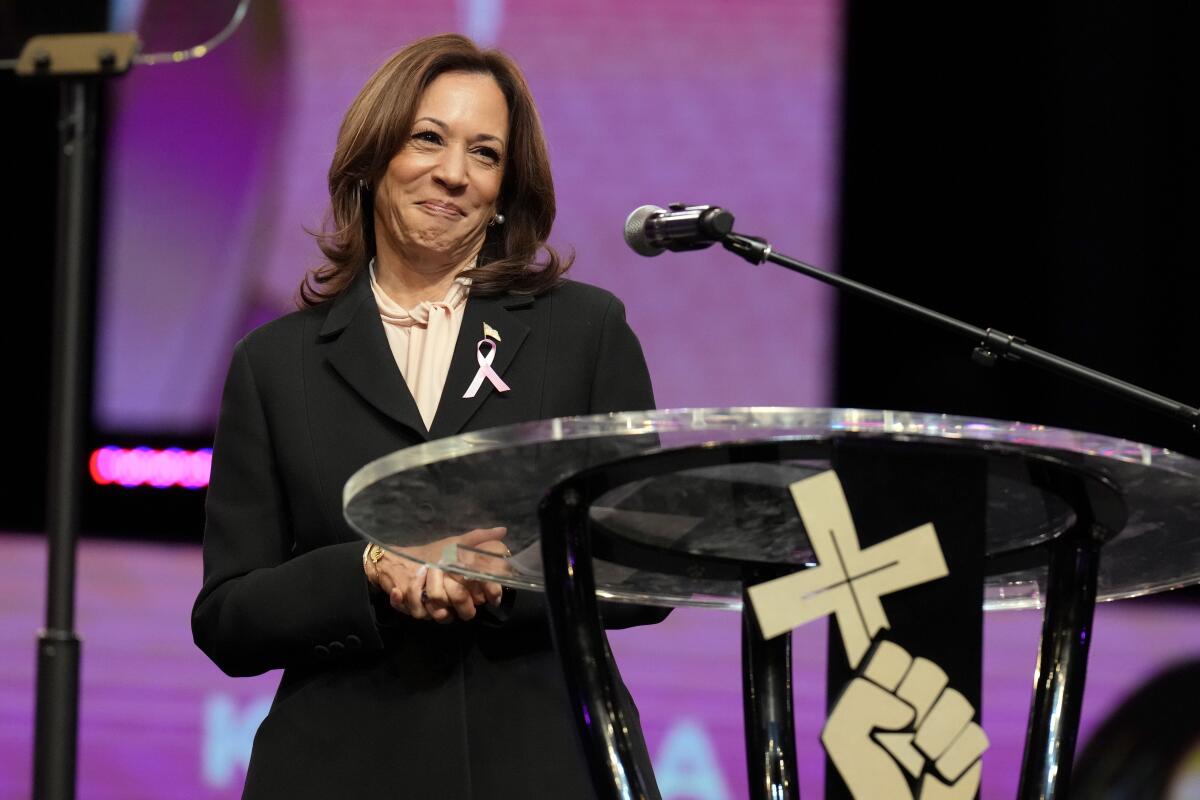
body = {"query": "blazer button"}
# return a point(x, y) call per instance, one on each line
point(424, 512)
point(353, 642)
point(322, 651)
point(337, 648)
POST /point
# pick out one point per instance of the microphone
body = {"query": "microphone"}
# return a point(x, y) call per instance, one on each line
point(649, 229)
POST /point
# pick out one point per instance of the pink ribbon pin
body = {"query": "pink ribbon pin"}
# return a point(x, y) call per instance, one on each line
point(485, 369)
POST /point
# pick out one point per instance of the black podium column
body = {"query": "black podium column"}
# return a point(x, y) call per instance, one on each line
point(895, 487)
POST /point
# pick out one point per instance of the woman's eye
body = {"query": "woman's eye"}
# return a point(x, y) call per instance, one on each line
point(490, 154)
point(431, 137)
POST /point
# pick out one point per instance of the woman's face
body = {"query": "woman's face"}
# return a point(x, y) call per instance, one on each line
point(439, 193)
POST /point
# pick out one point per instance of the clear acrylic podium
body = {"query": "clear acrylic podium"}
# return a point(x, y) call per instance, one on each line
point(689, 507)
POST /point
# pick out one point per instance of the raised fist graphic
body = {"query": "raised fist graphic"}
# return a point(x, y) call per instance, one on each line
point(898, 731)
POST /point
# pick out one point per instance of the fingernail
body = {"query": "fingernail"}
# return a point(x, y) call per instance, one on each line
point(422, 570)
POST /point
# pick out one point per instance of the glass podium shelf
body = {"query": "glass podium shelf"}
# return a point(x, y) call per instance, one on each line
point(432, 492)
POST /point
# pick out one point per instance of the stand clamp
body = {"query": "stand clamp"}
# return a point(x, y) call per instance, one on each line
point(78, 54)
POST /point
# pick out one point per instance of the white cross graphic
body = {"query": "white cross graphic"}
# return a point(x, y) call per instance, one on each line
point(848, 581)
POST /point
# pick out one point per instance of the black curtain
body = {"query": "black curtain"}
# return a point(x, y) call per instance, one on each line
point(1032, 168)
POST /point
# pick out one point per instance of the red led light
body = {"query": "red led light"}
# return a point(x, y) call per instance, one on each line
point(145, 466)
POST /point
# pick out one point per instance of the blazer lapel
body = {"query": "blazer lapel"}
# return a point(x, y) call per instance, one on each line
point(361, 355)
point(454, 410)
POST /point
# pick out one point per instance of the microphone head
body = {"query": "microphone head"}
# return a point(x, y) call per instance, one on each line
point(635, 231)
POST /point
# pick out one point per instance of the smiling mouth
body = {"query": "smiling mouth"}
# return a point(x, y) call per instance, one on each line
point(446, 209)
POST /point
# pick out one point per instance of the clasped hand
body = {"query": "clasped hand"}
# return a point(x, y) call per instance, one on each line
point(424, 592)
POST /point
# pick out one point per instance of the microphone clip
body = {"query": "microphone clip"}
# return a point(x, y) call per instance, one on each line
point(754, 249)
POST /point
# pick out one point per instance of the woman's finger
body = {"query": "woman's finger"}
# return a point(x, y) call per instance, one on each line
point(435, 590)
point(489, 558)
point(413, 592)
point(472, 586)
point(480, 535)
point(460, 598)
point(398, 601)
point(435, 598)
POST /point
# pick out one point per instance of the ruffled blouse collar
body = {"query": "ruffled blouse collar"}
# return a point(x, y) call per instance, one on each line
point(395, 314)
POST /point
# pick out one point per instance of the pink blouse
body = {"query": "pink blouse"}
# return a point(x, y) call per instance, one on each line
point(422, 340)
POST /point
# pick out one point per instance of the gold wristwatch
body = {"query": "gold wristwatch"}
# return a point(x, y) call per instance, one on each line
point(372, 554)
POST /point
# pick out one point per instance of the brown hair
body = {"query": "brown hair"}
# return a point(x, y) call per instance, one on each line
point(377, 126)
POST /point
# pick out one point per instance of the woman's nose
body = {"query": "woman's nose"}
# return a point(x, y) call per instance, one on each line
point(451, 169)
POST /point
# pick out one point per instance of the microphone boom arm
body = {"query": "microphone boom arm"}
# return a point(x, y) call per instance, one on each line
point(992, 344)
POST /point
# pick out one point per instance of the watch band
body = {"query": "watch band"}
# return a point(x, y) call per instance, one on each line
point(372, 554)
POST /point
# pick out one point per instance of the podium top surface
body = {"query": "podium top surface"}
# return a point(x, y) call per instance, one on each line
point(424, 495)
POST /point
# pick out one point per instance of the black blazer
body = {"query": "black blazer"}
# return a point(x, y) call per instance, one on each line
point(373, 703)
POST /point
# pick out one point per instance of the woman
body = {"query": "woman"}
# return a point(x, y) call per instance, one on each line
point(442, 199)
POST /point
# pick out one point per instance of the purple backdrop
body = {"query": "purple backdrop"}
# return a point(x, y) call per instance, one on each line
point(217, 166)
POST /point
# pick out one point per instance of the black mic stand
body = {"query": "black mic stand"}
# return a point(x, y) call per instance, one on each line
point(78, 62)
point(992, 345)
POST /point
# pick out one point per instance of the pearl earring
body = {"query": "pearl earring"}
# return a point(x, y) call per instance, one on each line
point(498, 219)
